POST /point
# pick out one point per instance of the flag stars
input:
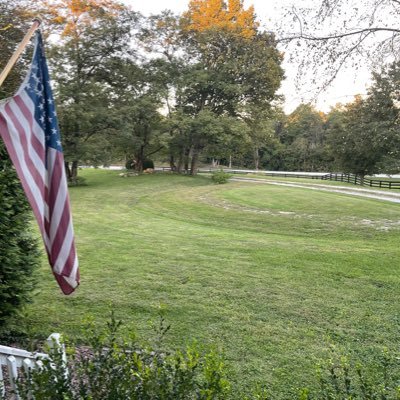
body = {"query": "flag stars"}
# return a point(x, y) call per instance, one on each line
point(54, 131)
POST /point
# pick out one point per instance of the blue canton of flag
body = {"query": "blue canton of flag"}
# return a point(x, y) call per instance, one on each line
point(39, 90)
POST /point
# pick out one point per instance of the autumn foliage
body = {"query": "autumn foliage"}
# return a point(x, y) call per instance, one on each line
point(205, 15)
point(70, 13)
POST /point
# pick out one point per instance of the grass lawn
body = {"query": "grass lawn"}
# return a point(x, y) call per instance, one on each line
point(272, 276)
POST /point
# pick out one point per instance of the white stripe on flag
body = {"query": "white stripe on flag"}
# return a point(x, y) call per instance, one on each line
point(65, 250)
point(33, 155)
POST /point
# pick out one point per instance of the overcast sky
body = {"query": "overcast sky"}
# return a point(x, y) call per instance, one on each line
point(269, 13)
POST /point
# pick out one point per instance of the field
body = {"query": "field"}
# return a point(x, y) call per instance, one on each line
point(271, 276)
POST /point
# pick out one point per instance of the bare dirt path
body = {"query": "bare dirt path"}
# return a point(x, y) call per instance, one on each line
point(393, 197)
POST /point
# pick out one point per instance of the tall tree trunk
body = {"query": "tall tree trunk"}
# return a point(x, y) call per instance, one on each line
point(194, 162)
point(181, 160)
point(68, 172)
point(188, 152)
point(256, 158)
point(139, 160)
point(172, 163)
point(230, 161)
point(74, 171)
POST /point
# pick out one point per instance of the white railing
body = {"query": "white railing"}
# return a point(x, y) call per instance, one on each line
point(14, 359)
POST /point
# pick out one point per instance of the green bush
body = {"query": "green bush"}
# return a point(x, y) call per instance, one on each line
point(110, 368)
point(341, 378)
point(113, 369)
point(148, 164)
point(220, 177)
point(19, 254)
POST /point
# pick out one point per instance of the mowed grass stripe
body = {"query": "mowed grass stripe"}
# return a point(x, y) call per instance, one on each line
point(270, 290)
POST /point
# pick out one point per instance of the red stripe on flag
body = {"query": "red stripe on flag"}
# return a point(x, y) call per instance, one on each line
point(64, 285)
point(62, 230)
point(25, 146)
point(14, 158)
point(54, 183)
point(70, 261)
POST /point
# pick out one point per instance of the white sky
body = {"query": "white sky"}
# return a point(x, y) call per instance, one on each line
point(269, 13)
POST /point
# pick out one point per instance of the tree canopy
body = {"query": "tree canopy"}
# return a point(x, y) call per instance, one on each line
point(203, 85)
point(206, 15)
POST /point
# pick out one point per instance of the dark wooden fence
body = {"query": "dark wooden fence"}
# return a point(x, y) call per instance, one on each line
point(357, 180)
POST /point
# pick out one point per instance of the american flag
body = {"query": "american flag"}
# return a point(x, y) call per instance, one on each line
point(29, 129)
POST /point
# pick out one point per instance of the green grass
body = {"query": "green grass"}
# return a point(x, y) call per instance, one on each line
point(271, 276)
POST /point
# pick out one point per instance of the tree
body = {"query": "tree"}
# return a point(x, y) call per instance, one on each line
point(230, 73)
point(363, 32)
point(215, 69)
point(206, 15)
point(261, 123)
point(94, 45)
point(141, 133)
point(365, 134)
point(14, 22)
point(305, 139)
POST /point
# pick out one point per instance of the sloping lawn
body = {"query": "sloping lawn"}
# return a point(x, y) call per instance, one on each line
point(272, 276)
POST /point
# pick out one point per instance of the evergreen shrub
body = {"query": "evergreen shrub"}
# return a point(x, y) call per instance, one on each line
point(19, 255)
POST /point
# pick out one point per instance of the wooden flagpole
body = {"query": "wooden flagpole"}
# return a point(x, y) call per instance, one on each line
point(19, 50)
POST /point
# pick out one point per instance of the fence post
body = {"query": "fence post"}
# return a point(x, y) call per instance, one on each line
point(2, 388)
point(54, 343)
point(13, 374)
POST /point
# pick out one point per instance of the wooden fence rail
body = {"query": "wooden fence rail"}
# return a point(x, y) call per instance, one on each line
point(357, 180)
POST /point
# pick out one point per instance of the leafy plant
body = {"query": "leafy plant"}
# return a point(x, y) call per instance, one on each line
point(115, 368)
point(220, 177)
point(341, 378)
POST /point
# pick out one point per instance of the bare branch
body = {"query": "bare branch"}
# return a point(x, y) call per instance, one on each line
point(338, 36)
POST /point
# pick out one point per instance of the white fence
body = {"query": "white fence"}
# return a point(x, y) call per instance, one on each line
point(14, 359)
